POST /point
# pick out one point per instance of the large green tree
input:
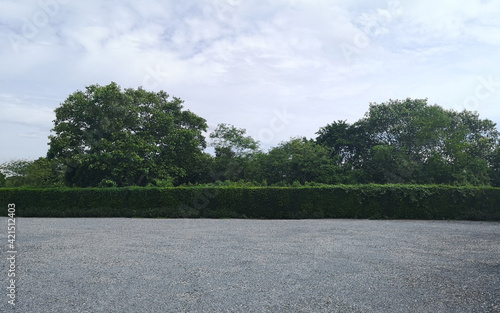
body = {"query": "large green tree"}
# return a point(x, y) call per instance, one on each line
point(349, 146)
point(345, 141)
point(234, 153)
point(104, 135)
point(299, 160)
point(409, 141)
point(430, 144)
point(232, 141)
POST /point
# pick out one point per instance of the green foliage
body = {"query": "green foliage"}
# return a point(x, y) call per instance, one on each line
point(347, 143)
point(38, 173)
point(130, 137)
point(340, 201)
point(108, 137)
point(107, 183)
point(409, 141)
point(299, 160)
point(15, 168)
point(162, 183)
point(43, 173)
point(231, 141)
point(422, 137)
point(495, 167)
point(234, 153)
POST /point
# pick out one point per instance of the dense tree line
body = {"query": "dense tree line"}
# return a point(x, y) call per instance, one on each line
point(105, 136)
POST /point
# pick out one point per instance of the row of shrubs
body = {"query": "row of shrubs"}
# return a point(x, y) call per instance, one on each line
point(341, 201)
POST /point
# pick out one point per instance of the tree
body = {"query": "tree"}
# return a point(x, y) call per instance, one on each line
point(231, 141)
point(469, 146)
point(338, 136)
point(495, 167)
point(15, 167)
point(439, 146)
point(43, 173)
point(130, 137)
point(435, 145)
point(15, 172)
point(387, 164)
point(2, 179)
point(234, 152)
point(38, 173)
point(300, 160)
point(409, 141)
point(349, 145)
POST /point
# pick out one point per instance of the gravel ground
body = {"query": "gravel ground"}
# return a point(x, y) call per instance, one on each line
point(185, 265)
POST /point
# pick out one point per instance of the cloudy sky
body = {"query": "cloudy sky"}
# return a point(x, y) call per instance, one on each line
point(279, 68)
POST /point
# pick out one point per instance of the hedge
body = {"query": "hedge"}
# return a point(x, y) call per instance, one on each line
point(340, 201)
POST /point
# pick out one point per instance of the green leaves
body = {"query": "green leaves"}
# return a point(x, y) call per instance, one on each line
point(494, 161)
point(299, 160)
point(38, 173)
point(409, 141)
point(341, 201)
point(128, 137)
point(106, 136)
point(235, 154)
point(231, 141)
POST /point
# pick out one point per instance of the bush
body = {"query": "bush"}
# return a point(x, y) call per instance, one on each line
point(340, 201)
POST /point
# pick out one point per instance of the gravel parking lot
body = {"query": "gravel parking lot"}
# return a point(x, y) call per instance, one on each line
point(204, 265)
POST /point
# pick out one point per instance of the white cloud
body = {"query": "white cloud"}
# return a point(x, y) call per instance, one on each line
point(22, 110)
point(239, 61)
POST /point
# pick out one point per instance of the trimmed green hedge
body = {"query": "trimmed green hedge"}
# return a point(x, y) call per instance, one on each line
point(360, 201)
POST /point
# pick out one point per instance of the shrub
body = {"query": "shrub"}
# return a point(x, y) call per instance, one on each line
point(339, 201)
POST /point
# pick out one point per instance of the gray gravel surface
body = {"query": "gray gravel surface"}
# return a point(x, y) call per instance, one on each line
point(183, 265)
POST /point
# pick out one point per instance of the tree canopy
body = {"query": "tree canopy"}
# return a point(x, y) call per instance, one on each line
point(235, 153)
point(409, 141)
point(38, 173)
point(105, 136)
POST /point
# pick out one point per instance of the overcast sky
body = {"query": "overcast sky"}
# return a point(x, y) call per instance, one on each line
point(279, 69)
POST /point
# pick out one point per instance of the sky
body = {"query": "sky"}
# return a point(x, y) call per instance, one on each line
point(279, 69)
